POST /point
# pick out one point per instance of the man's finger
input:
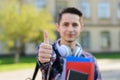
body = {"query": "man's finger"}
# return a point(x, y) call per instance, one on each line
point(46, 40)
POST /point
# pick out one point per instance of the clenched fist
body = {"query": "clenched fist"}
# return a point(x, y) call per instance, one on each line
point(45, 50)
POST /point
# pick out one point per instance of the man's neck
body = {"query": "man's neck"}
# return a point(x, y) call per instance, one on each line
point(71, 44)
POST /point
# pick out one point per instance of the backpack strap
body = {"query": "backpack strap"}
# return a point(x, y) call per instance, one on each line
point(37, 65)
point(35, 71)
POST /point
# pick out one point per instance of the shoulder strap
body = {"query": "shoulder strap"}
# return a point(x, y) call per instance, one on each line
point(55, 49)
point(59, 60)
point(35, 71)
point(37, 66)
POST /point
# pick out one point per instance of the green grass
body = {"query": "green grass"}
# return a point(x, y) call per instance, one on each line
point(11, 67)
point(7, 63)
point(107, 55)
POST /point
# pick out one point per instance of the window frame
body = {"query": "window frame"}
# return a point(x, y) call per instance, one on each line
point(118, 10)
point(85, 39)
point(104, 10)
point(105, 40)
point(86, 11)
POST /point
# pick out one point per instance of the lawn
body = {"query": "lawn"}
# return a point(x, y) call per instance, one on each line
point(7, 63)
point(107, 55)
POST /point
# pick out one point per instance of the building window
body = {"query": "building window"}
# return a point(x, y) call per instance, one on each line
point(85, 8)
point(40, 3)
point(85, 39)
point(105, 40)
point(60, 4)
point(119, 39)
point(103, 10)
point(118, 10)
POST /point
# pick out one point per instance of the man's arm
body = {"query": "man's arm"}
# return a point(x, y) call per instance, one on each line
point(44, 51)
point(97, 72)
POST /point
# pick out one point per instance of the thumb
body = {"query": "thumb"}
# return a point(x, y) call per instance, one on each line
point(46, 40)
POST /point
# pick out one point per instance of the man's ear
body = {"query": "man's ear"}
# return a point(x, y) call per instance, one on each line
point(82, 23)
point(57, 27)
point(81, 28)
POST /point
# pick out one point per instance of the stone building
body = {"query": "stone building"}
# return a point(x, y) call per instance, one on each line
point(101, 32)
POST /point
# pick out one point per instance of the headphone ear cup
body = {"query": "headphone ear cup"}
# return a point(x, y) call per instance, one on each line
point(65, 50)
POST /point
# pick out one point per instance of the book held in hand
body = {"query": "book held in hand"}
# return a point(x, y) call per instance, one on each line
point(76, 75)
point(81, 65)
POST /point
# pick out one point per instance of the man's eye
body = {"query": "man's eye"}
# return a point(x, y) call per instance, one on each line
point(74, 24)
point(66, 24)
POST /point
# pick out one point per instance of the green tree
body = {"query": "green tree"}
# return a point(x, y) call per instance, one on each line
point(21, 24)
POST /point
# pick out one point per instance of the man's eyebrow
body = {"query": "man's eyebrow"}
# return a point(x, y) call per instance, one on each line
point(66, 22)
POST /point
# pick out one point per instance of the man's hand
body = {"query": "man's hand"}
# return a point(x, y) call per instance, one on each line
point(45, 50)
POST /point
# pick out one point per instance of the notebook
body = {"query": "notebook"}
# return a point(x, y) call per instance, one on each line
point(84, 65)
point(76, 75)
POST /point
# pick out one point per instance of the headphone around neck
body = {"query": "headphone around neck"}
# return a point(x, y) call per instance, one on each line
point(65, 50)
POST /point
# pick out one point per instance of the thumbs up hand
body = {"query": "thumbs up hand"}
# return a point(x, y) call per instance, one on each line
point(45, 50)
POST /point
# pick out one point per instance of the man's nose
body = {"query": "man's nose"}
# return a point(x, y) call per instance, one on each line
point(70, 28)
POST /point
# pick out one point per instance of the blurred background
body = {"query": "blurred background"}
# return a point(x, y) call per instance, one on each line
point(22, 23)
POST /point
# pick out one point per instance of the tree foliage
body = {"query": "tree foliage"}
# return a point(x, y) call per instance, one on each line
point(24, 23)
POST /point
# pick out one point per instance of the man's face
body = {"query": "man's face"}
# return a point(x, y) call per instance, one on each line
point(69, 27)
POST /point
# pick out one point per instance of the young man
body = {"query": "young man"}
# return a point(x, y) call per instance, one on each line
point(51, 58)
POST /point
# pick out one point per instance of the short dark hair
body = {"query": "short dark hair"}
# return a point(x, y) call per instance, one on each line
point(71, 10)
